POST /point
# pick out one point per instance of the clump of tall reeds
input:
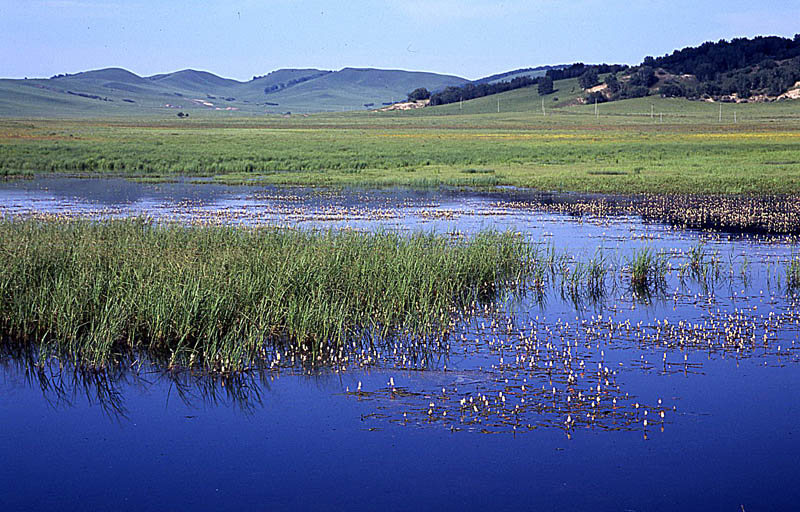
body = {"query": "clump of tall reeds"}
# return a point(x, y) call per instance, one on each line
point(226, 296)
point(648, 269)
point(596, 275)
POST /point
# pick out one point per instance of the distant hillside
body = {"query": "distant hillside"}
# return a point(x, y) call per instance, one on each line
point(765, 68)
point(365, 88)
point(709, 59)
point(116, 91)
point(525, 99)
point(758, 69)
point(191, 80)
point(517, 73)
point(521, 79)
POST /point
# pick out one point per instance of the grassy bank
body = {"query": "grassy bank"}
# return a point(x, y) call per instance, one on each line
point(225, 297)
point(635, 146)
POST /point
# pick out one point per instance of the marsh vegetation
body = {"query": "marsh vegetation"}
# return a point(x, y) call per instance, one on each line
point(226, 297)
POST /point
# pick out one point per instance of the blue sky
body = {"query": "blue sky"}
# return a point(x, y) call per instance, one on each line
point(469, 38)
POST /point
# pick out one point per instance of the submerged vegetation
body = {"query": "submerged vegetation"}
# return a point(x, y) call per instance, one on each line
point(793, 273)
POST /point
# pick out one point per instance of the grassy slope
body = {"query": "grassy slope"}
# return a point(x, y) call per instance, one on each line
point(526, 101)
point(677, 110)
point(347, 89)
point(253, 91)
point(352, 88)
point(193, 80)
point(28, 100)
point(50, 98)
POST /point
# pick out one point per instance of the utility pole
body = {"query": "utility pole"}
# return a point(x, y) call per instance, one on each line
point(661, 117)
point(734, 117)
point(498, 106)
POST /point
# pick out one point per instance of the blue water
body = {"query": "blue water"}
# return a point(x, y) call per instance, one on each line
point(305, 447)
point(287, 439)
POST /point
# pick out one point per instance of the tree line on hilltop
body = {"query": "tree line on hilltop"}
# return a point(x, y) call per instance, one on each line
point(471, 90)
point(479, 89)
point(768, 65)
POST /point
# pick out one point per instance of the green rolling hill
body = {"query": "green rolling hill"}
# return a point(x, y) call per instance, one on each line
point(518, 73)
point(525, 100)
point(116, 91)
point(192, 80)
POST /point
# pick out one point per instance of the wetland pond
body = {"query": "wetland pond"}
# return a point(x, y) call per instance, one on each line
point(553, 396)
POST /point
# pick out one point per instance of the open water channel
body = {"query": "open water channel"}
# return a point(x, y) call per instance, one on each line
point(684, 399)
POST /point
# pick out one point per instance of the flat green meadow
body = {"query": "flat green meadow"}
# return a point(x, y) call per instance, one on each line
point(647, 145)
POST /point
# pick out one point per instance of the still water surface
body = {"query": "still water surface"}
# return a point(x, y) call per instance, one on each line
point(290, 438)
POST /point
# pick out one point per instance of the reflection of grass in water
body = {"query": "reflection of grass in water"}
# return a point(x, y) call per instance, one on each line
point(596, 275)
point(793, 273)
point(703, 266)
point(63, 385)
point(584, 280)
point(227, 296)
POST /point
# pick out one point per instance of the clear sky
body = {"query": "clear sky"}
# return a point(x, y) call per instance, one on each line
point(469, 38)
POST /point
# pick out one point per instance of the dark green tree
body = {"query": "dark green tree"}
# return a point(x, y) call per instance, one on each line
point(612, 83)
point(635, 91)
point(545, 85)
point(672, 90)
point(644, 77)
point(419, 94)
point(589, 78)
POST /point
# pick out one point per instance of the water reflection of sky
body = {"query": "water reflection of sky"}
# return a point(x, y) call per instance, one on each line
point(442, 211)
point(286, 440)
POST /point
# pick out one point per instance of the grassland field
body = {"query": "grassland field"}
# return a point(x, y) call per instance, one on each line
point(647, 145)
